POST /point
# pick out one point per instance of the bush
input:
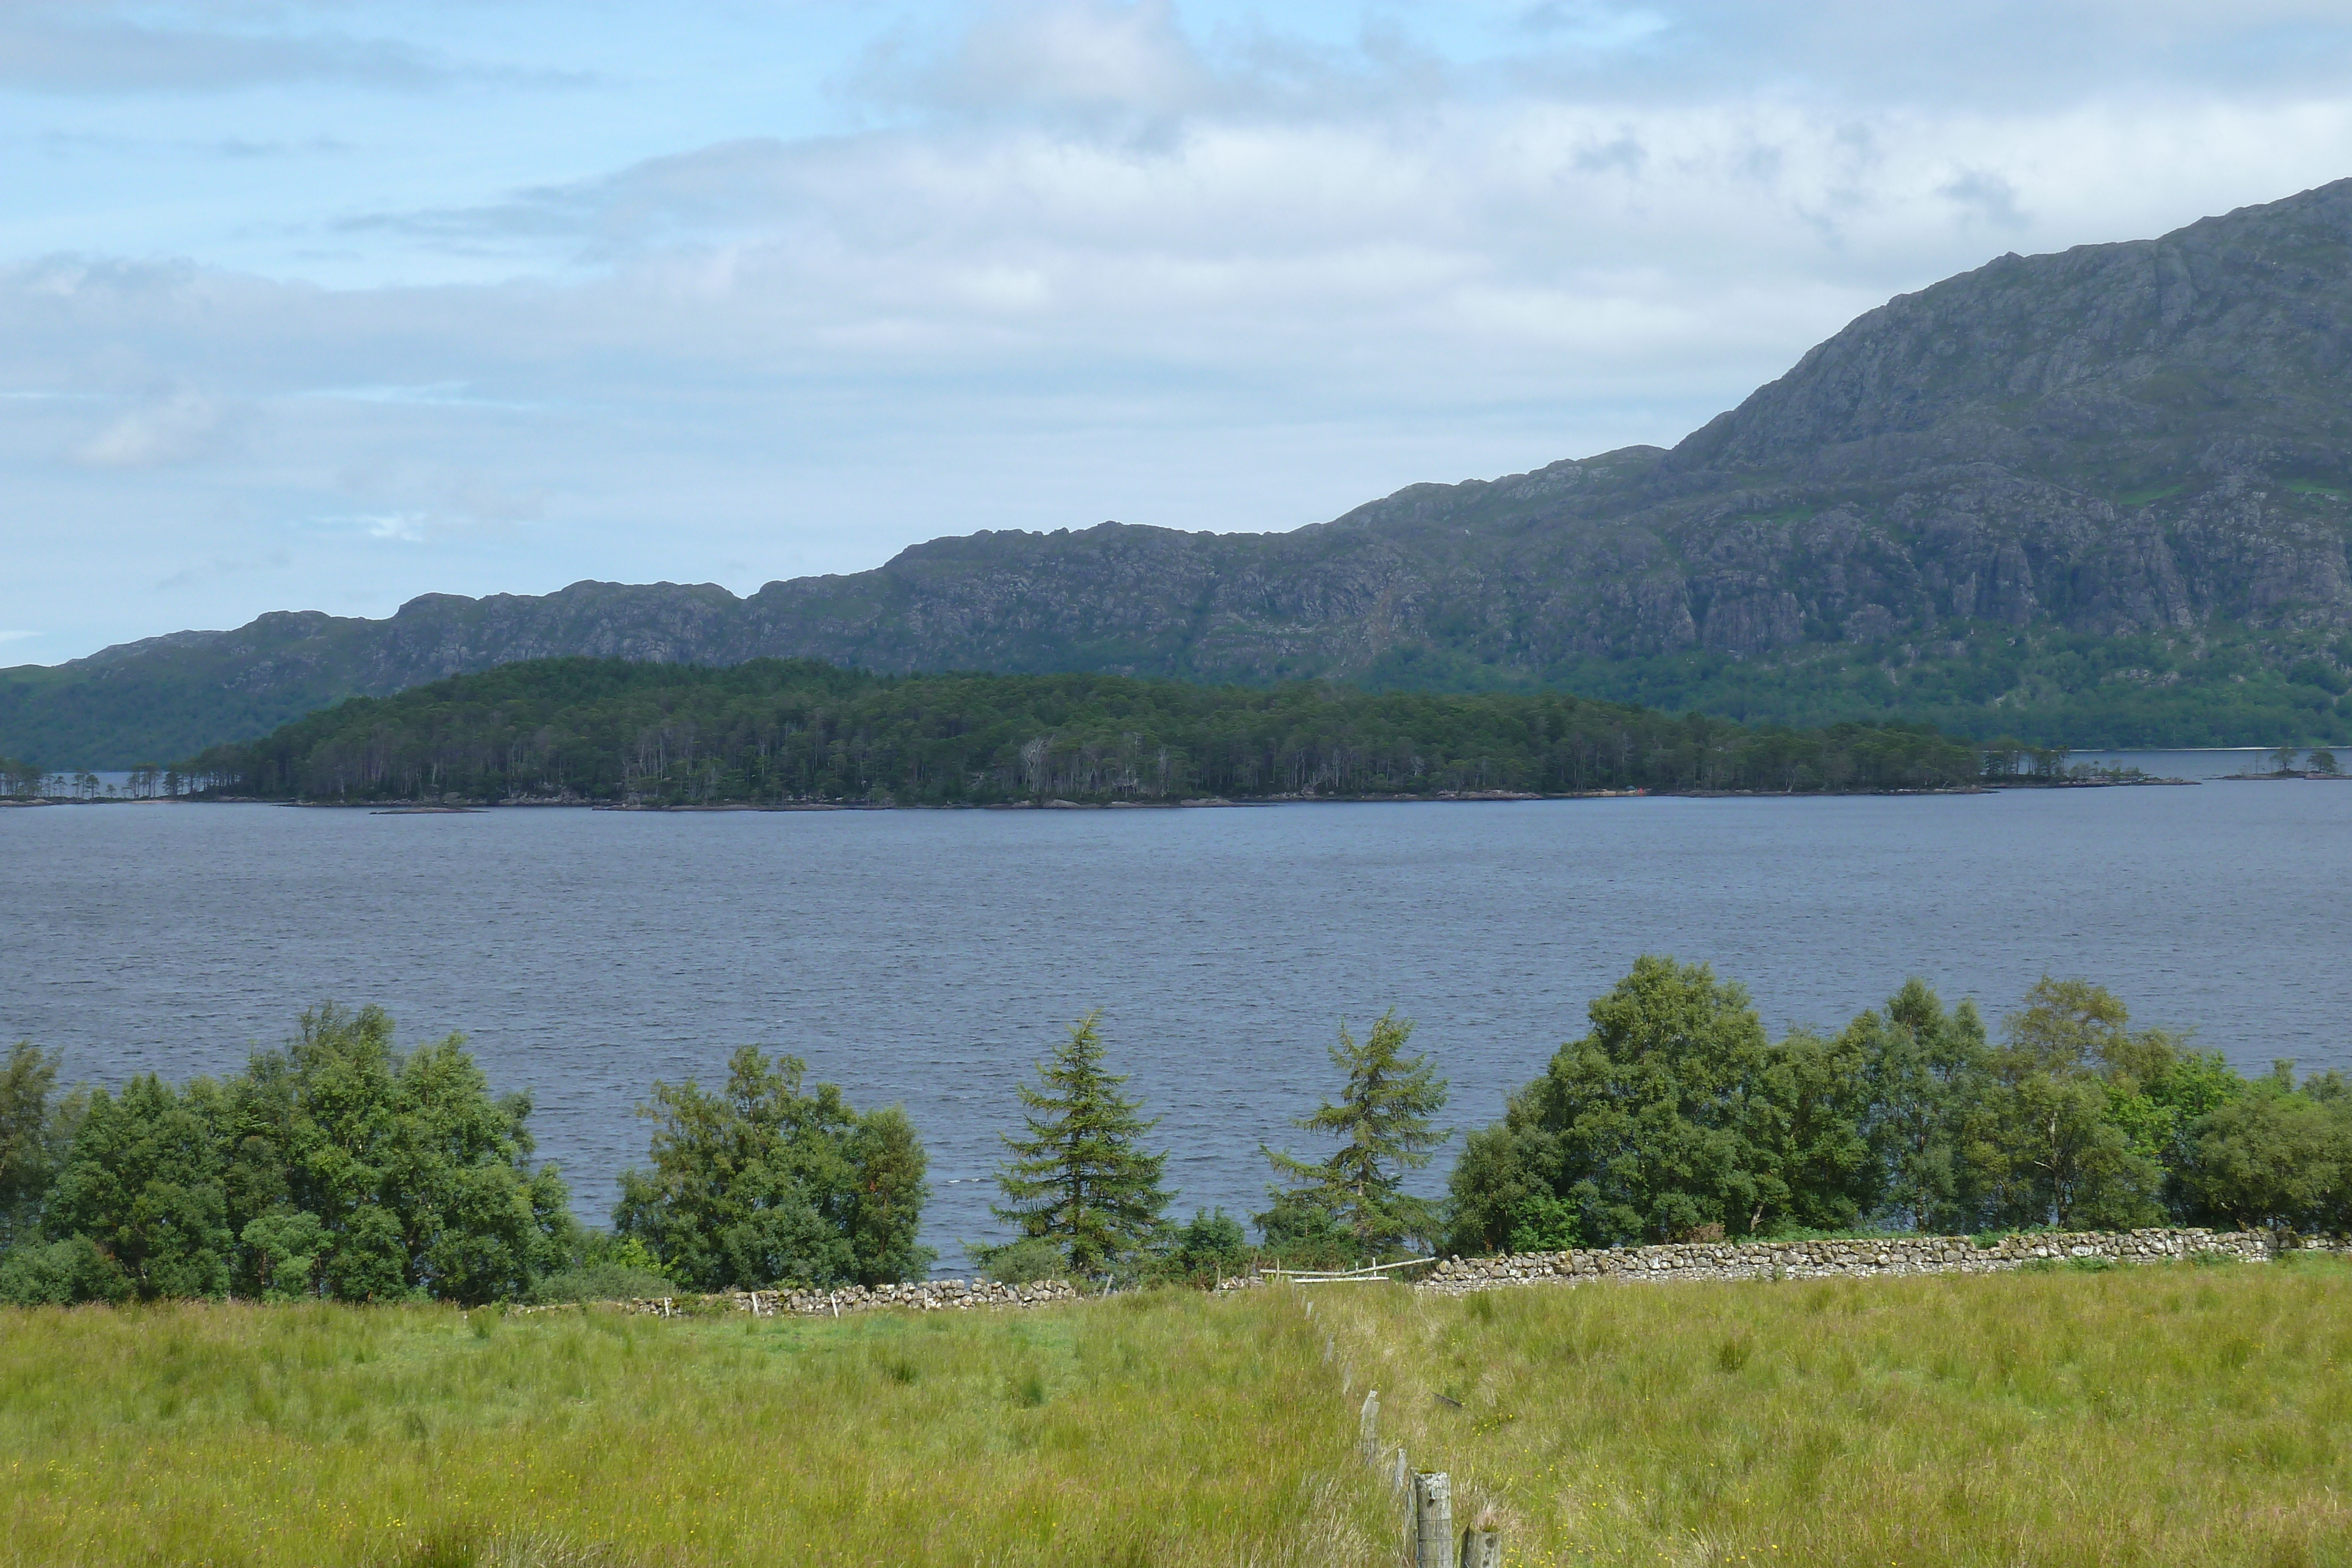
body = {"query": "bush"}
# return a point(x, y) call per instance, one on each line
point(1211, 1248)
point(601, 1283)
point(1024, 1262)
point(61, 1274)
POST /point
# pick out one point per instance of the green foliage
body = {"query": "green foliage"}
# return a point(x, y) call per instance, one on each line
point(601, 1283)
point(777, 731)
point(1676, 1114)
point(1211, 1247)
point(336, 1168)
point(1928, 1068)
point(1383, 1127)
point(60, 1273)
point(1024, 1262)
point(2273, 1157)
point(1543, 1223)
point(2228, 685)
point(2065, 1134)
point(35, 1128)
point(1081, 1179)
point(372, 1175)
point(142, 1181)
point(765, 1185)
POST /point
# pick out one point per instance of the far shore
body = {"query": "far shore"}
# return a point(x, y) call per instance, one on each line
point(1464, 797)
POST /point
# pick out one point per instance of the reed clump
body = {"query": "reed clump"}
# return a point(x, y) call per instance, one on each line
point(2165, 1414)
point(1161, 1428)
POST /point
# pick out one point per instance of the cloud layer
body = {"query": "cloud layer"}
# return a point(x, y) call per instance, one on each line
point(1039, 263)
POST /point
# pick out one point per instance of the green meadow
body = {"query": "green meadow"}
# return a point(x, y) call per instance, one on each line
point(1164, 1428)
point(2169, 1414)
point(2162, 1415)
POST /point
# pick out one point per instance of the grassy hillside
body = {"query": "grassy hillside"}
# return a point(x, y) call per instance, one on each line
point(2158, 1415)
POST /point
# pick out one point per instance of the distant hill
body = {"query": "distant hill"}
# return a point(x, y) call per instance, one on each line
point(2102, 496)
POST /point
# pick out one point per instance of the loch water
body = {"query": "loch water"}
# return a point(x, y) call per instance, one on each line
point(929, 957)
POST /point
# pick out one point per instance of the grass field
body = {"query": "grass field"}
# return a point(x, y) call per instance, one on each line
point(2162, 1415)
point(1171, 1429)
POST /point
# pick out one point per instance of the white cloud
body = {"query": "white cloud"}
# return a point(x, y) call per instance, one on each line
point(181, 427)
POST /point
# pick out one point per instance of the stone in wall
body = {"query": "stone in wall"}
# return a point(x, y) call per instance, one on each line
point(1854, 1256)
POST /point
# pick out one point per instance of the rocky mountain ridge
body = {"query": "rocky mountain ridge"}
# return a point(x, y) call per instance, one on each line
point(2148, 441)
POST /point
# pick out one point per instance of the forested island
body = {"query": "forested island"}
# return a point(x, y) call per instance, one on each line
point(782, 732)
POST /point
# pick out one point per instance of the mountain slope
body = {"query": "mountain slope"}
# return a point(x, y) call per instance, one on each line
point(2100, 497)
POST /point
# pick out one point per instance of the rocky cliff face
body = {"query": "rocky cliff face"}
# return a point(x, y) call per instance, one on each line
point(2148, 438)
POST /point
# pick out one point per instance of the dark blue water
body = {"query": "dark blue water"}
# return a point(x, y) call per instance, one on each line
point(930, 957)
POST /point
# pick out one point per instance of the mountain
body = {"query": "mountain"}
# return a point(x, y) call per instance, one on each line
point(2103, 497)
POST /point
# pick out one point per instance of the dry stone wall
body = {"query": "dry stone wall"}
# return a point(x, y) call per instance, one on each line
point(924, 1295)
point(1872, 1256)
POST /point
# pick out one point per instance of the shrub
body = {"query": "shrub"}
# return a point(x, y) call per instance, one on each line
point(766, 1184)
point(61, 1274)
point(1209, 1248)
point(1024, 1262)
point(601, 1283)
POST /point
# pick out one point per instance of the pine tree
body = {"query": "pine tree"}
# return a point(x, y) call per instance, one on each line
point(1079, 1180)
point(1383, 1123)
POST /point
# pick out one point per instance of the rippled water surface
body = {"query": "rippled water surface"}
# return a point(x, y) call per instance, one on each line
point(930, 957)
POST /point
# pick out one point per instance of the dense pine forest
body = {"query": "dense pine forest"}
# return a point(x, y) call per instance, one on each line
point(782, 732)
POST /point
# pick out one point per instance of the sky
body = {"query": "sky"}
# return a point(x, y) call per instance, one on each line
point(314, 304)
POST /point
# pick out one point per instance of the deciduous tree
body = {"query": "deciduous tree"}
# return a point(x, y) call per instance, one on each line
point(766, 1185)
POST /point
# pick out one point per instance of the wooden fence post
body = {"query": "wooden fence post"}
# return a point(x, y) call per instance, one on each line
point(1368, 1427)
point(1432, 1521)
point(1482, 1548)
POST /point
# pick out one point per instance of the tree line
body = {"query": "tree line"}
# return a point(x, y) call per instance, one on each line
point(782, 731)
point(340, 1167)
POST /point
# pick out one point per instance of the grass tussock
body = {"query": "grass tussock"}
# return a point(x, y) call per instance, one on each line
point(2154, 1415)
point(1159, 1429)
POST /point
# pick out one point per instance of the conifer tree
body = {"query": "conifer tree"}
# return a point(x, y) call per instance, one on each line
point(1383, 1123)
point(1081, 1180)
